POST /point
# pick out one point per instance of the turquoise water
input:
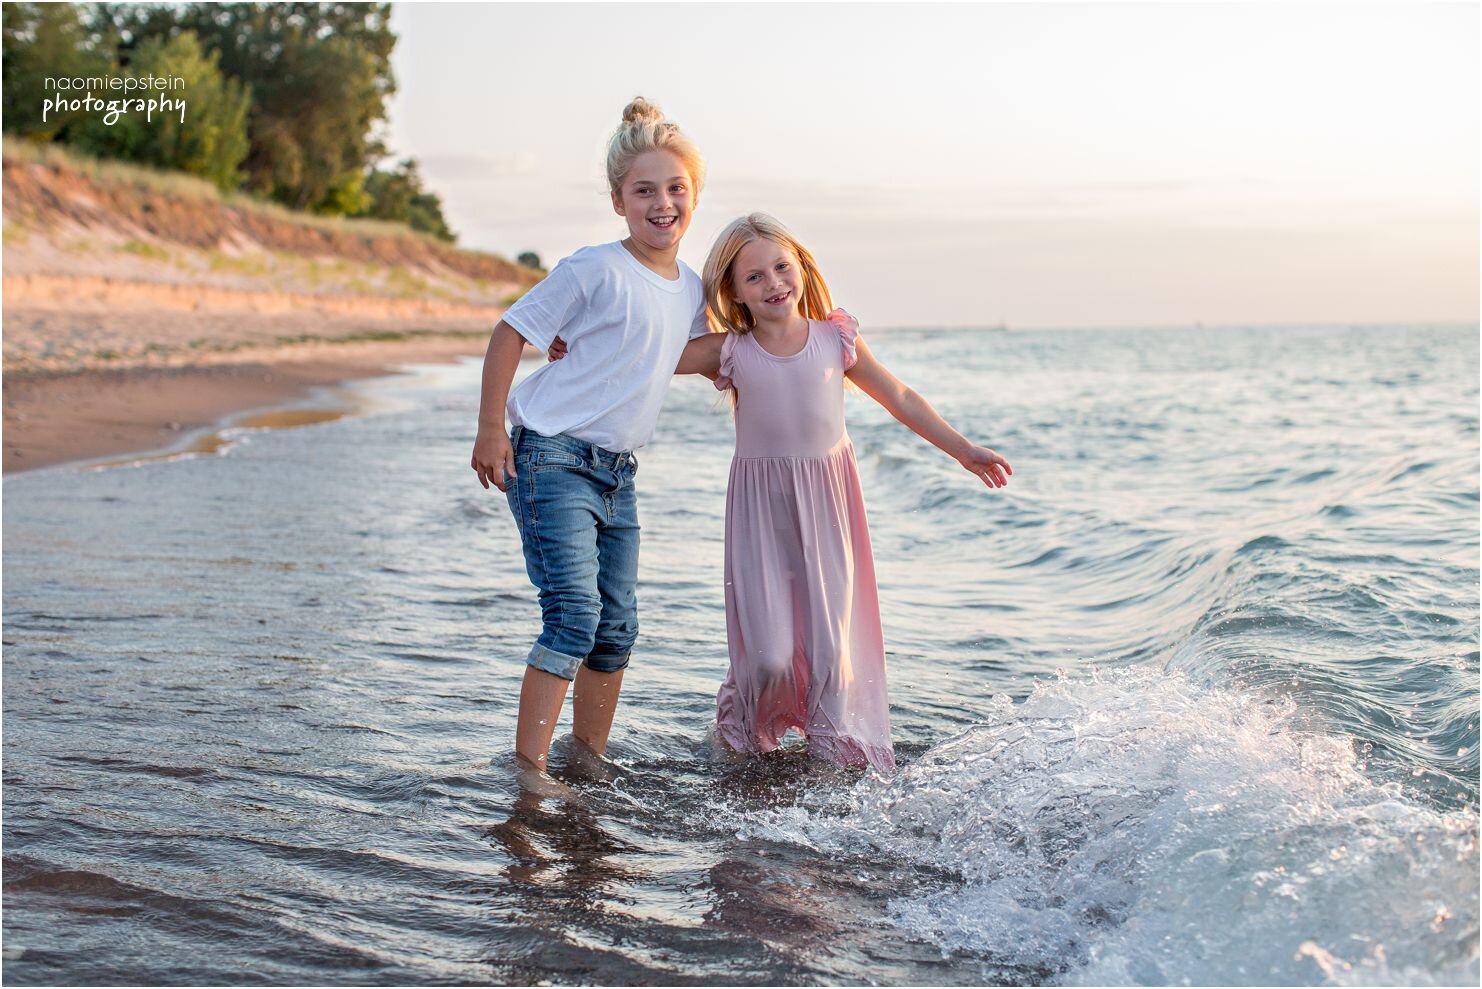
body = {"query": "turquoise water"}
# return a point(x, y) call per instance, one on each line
point(1194, 699)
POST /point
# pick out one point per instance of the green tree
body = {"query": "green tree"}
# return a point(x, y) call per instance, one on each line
point(426, 214)
point(320, 76)
point(347, 197)
point(399, 195)
point(40, 41)
point(211, 141)
point(530, 260)
point(286, 98)
point(392, 191)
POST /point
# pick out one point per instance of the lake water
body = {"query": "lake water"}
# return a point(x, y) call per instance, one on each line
point(1194, 699)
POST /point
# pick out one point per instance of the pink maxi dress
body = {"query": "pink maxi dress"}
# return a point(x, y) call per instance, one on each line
point(802, 613)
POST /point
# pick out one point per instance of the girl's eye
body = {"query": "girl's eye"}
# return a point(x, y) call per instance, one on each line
point(783, 266)
point(752, 278)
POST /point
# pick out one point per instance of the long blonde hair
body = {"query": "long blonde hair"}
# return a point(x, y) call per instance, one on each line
point(645, 128)
point(726, 314)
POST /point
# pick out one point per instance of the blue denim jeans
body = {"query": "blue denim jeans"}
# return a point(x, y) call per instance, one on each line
point(577, 512)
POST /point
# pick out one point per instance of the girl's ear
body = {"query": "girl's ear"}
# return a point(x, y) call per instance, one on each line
point(617, 204)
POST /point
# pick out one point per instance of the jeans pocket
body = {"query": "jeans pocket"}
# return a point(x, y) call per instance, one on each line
point(554, 460)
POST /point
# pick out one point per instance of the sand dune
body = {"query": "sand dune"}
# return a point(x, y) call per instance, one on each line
point(138, 307)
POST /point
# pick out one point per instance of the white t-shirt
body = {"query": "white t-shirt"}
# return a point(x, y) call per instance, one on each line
point(625, 328)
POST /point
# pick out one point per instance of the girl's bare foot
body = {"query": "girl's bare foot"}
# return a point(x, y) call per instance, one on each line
point(536, 783)
point(585, 764)
point(720, 749)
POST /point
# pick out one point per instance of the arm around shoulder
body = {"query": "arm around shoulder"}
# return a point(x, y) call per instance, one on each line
point(702, 355)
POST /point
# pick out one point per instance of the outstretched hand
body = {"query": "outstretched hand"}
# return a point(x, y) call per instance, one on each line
point(987, 465)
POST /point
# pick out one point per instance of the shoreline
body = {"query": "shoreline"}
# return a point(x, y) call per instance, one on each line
point(57, 418)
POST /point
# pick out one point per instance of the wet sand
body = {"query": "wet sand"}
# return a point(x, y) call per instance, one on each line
point(56, 418)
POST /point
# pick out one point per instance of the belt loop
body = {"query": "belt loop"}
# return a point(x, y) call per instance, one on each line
point(592, 452)
point(514, 436)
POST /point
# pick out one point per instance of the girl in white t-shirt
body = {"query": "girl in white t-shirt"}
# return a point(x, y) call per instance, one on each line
point(625, 311)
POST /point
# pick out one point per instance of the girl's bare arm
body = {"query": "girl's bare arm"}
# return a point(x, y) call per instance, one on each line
point(876, 381)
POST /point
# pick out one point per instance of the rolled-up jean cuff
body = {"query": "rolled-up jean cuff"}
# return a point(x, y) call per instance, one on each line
point(608, 662)
point(556, 663)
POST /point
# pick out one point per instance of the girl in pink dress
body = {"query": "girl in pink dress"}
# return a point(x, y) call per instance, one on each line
point(802, 614)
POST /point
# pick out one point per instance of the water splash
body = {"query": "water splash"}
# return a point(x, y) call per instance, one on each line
point(1134, 828)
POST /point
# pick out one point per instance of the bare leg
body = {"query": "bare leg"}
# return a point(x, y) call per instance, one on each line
point(541, 697)
point(595, 702)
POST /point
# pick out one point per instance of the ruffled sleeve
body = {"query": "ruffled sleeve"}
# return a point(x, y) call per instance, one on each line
point(848, 328)
point(727, 363)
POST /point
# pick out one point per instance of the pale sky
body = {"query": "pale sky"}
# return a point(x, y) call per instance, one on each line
point(1040, 164)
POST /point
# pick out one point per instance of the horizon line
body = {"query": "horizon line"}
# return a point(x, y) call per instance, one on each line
point(1006, 327)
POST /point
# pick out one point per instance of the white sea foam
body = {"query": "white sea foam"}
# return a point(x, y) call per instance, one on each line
point(1133, 828)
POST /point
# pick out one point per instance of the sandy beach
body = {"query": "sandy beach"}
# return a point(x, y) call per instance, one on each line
point(139, 310)
point(61, 417)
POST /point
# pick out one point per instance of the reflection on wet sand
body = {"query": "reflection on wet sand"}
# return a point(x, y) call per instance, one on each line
point(765, 890)
point(553, 836)
point(216, 440)
point(758, 891)
point(323, 405)
point(291, 418)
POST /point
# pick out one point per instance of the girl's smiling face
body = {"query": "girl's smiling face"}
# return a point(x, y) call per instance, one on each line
point(657, 199)
point(766, 279)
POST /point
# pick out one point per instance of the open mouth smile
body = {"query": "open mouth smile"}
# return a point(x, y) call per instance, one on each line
point(777, 300)
point(664, 222)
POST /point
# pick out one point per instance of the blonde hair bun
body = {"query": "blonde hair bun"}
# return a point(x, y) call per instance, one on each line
point(641, 111)
point(645, 128)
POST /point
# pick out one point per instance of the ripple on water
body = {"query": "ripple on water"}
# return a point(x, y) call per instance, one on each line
point(251, 700)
